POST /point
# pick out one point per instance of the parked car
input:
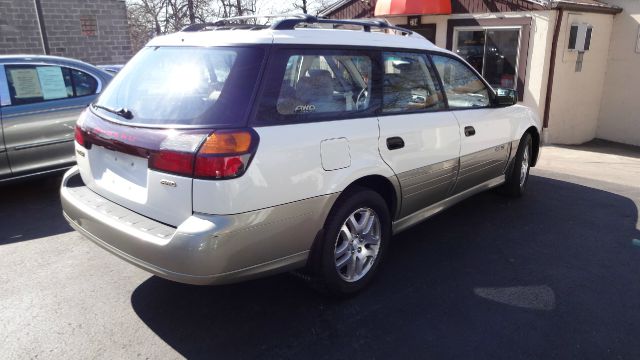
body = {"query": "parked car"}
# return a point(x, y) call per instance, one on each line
point(290, 146)
point(41, 98)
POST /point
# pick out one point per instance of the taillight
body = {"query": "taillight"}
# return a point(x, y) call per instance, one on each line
point(172, 162)
point(225, 154)
point(78, 135)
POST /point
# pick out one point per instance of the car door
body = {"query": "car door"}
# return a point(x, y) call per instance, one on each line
point(419, 138)
point(5, 170)
point(38, 124)
point(484, 130)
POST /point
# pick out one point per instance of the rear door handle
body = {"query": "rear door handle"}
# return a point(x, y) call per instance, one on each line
point(469, 131)
point(394, 143)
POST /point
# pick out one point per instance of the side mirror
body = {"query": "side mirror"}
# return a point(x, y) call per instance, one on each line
point(505, 97)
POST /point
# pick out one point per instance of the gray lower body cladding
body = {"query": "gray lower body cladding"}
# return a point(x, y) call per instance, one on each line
point(482, 166)
point(433, 183)
point(427, 185)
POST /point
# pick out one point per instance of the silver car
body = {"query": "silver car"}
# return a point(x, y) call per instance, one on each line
point(40, 100)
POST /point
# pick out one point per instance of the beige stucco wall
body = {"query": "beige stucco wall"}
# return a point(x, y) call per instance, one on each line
point(540, 39)
point(619, 118)
point(576, 97)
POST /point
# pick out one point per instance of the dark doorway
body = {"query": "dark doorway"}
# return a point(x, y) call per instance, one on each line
point(428, 31)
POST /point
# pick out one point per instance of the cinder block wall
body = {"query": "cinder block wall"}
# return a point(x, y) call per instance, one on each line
point(19, 31)
point(110, 44)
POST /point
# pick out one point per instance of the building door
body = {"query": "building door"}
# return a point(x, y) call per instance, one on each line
point(428, 31)
point(493, 52)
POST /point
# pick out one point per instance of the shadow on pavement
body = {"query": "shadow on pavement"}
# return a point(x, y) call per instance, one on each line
point(30, 210)
point(553, 275)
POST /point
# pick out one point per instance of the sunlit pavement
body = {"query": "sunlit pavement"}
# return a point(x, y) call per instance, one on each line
point(553, 275)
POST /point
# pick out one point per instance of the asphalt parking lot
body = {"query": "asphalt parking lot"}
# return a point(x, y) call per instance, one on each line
point(553, 275)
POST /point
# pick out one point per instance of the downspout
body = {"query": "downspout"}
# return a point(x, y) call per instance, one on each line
point(43, 30)
point(552, 68)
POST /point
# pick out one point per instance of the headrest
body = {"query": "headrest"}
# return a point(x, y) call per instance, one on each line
point(317, 86)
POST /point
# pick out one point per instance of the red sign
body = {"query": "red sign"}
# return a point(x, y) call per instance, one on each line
point(412, 7)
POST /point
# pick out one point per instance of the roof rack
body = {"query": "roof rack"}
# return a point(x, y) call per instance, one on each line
point(237, 22)
point(366, 24)
point(289, 22)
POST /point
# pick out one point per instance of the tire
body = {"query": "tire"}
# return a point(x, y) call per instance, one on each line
point(518, 177)
point(345, 266)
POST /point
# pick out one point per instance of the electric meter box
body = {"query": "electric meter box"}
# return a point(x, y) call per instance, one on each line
point(580, 37)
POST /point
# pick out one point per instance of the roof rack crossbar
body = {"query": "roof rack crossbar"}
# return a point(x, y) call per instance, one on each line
point(229, 20)
point(197, 27)
point(235, 22)
point(289, 22)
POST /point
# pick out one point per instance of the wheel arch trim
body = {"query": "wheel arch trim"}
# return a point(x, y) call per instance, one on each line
point(387, 186)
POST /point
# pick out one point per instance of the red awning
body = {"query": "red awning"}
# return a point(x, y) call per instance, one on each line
point(412, 7)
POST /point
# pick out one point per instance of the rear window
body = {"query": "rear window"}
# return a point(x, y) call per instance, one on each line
point(185, 86)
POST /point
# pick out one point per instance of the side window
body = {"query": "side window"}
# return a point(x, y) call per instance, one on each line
point(463, 87)
point(409, 84)
point(83, 83)
point(66, 73)
point(36, 83)
point(324, 83)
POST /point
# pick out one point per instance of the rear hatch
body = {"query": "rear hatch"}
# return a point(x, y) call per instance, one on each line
point(138, 144)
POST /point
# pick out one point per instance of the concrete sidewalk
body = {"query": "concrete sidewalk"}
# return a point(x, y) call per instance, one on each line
point(597, 160)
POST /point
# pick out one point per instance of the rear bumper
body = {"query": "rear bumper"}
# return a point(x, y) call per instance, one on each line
point(204, 249)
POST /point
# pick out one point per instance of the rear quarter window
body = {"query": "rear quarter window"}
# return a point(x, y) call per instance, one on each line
point(83, 83)
point(315, 85)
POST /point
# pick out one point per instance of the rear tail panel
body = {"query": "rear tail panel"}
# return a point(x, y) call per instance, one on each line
point(114, 162)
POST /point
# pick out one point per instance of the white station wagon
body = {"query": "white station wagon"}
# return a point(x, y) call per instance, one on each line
point(229, 151)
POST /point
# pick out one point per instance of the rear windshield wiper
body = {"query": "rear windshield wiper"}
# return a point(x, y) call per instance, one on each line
point(122, 112)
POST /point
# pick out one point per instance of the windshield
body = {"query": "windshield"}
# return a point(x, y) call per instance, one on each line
point(184, 86)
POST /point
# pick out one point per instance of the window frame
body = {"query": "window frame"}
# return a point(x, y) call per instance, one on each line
point(5, 93)
point(436, 79)
point(524, 22)
point(265, 112)
point(490, 90)
point(4, 82)
point(484, 29)
point(73, 83)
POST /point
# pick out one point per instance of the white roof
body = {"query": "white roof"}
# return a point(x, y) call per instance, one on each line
point(305, 36)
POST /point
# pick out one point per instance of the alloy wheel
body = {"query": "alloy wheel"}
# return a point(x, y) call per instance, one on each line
point(524, 167)
point(357, 244)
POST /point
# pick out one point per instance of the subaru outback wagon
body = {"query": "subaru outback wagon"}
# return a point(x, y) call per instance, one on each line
point(305, 144)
